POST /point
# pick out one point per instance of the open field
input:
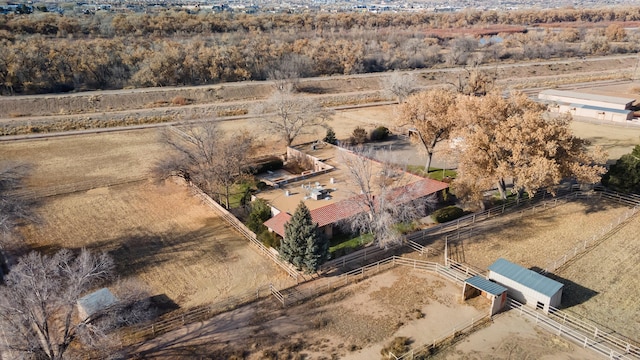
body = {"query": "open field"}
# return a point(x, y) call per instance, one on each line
point(159, 234)
point(608, 282)
point(106, 158)
point(534, 240)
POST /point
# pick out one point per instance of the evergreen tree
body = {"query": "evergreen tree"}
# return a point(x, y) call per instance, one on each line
point(260, 212)
point(330, 138)
point(624, 175)
point(317, 251)
point(302, 246)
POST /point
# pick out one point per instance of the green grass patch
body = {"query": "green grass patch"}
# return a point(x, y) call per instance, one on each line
point(434, 173)
point(238, 192)
point(343, 244)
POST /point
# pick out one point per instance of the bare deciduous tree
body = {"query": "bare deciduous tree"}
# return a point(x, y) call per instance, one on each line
point(38, 311)
point(511, 138)
point(289, 116)
point(400, 85)
point(432, 114)
point(385, 198)
point(206, 156)
point(287, 71)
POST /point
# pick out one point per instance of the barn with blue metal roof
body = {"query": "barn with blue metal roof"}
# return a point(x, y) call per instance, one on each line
point(526, 286)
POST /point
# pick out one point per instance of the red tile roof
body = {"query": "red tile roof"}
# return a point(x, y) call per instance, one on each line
point(277, 222)
point(344, 209)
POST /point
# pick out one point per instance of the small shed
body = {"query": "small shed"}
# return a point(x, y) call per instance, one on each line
point(478, 285)
point(526, 286)
point(94, 302)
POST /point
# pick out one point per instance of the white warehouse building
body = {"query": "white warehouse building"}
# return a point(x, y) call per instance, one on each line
point(600, 107)
point(526, 286)
point(573, 97)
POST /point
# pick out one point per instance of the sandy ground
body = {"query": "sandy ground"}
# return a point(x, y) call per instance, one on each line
point(513, 337)
point(354, 322)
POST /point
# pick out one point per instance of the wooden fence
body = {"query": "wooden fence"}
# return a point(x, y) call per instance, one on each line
point(447, 339)
point(595, 239)
point(202, 313)
point(600, 342)
point(247, 233)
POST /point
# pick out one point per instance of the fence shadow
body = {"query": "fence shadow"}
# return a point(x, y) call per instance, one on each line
point(573, 293)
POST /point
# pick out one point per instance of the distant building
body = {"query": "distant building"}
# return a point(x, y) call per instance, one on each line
point(600, 107)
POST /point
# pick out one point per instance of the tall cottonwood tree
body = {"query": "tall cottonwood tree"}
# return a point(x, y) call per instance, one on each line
point(289, 116)
point(38, 309)
point(207, 156)
point(384, 196)
point(302, 245)
point(433, 115)
point(514, 138)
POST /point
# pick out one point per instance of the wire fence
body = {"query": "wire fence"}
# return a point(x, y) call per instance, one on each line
point(70, 188)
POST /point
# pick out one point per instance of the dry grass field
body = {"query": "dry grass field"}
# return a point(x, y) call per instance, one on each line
point(159, 234)
point(107, 158)
point(535, 240)
point(608, 282)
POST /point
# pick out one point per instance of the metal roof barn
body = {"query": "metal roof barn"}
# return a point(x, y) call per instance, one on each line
point(525, 285)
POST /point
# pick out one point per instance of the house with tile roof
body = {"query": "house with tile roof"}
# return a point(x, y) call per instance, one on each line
point(329, 195)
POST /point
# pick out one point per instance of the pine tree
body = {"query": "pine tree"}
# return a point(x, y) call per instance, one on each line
point(330, 138)
point(302, 246)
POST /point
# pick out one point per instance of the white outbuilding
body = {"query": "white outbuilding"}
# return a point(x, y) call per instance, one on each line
point(526, 286)
point(574, 97)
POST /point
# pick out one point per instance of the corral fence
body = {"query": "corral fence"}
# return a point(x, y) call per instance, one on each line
point(70, 188)
point(201, 313)
point(597, 238)
point(456, 229)
point(448, 339)
point(455, 272)
point(575, 330)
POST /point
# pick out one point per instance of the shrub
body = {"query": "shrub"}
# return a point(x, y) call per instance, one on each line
point(447, 214)
point(261, 185)
point(260, 212)
point(398, 346)
point(330, 138)
point(269, 239)
point(380, 133)
point(180, 100)
point(359, 136)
